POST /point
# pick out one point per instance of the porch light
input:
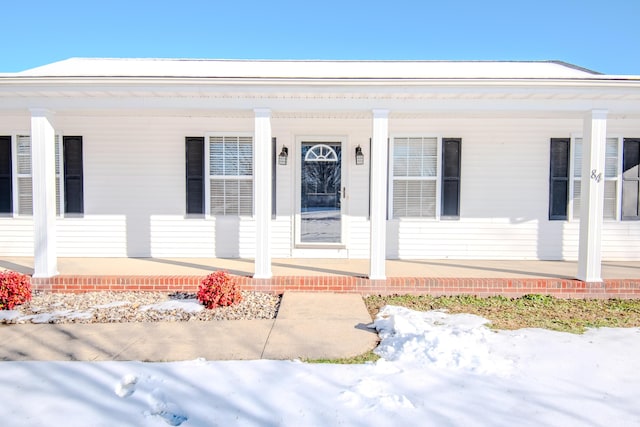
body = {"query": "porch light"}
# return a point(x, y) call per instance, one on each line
point(282, 157)
point(359, 156)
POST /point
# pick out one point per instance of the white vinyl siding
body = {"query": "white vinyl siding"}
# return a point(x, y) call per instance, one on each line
point(231, 175)
point(414, 177)
point(134, 198)
point(610, 178)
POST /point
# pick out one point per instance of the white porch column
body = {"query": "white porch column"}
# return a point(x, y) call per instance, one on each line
point(262, 192)
point(592, 196)
point(378, 191)
point(43, 175)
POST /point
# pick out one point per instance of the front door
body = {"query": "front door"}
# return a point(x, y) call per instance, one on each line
point(320, 196)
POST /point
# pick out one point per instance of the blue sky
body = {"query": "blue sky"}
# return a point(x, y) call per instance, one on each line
point(600, 35)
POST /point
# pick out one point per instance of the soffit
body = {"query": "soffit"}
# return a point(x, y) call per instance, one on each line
point(430, 91)
point(618, 96)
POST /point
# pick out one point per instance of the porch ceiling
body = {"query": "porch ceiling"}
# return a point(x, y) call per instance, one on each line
point(423, 92)
point(249, 115)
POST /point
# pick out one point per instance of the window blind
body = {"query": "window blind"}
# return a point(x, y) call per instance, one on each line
point(414, 177)
point(231, 175)
point(25, 188)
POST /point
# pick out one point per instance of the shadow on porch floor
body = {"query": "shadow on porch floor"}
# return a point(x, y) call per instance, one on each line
point(482, 269)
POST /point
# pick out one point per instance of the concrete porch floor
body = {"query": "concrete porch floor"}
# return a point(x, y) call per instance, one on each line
point(297, 267)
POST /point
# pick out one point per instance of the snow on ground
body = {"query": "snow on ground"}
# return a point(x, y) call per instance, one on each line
point(191, 305)
point(438, 370)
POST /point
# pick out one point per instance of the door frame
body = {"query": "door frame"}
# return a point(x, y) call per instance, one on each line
point(298, 244)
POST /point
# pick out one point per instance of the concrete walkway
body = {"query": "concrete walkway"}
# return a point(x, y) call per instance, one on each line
point(308, 326)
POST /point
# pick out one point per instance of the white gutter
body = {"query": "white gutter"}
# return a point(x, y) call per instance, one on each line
point(68, 83)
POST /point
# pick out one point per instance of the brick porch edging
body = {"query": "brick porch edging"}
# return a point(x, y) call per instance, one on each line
point(565, 288)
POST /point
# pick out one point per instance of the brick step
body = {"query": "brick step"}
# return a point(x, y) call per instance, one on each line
point(566, 288)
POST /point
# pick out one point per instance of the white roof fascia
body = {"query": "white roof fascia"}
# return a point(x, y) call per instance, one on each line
point(215, 84)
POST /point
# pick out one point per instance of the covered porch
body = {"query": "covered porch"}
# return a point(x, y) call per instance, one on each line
point(148, 197)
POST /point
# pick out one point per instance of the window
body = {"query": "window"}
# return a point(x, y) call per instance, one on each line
point(228, 183)
point(230, 175)
point(68, 172)
point(610, 178)
point(559, 178)
point(416, 165)
point(565, 155)
point(631, 179)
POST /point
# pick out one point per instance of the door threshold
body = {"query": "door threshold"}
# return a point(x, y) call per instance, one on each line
point(320, 246)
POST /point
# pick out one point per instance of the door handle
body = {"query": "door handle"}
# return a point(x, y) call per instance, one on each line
point(344, 192)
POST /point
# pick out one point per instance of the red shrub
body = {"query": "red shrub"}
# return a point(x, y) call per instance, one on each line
point(15, 289)
point(219, 289)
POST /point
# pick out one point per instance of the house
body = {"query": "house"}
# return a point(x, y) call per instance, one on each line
point(319, 159)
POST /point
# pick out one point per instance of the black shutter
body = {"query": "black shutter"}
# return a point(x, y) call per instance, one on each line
point(73, 175)
point(195, 174)
point(6, 198)
point(451, 148)
point(631, 179)
point(559, 178)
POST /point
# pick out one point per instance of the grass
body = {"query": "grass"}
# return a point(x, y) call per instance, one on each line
point(369, 356)
point(529, 311)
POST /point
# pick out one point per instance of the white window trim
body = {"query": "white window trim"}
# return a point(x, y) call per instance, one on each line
point(617, 179)
point(208, 177)
point(437, 178)
point(572, 147)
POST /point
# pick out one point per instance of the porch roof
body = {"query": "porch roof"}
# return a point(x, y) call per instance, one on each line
point(186, 87)
point(302, 69)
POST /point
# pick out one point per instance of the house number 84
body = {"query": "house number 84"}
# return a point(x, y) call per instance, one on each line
point(595, 175)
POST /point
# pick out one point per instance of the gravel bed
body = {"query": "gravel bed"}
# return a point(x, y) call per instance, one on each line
point(119, 307)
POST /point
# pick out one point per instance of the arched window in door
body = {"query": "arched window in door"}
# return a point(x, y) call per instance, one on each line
point(321, 153)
